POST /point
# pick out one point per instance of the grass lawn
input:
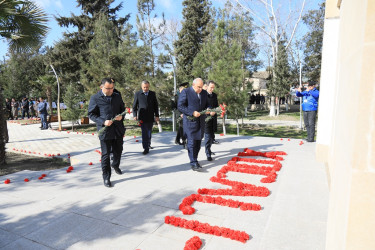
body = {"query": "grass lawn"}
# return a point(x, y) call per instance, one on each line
point(132, 129)
point(264, 115)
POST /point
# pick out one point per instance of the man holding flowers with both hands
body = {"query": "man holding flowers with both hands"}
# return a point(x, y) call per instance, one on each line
point(191, 102)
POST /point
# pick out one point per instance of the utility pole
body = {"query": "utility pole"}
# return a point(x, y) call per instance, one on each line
point(174, 93)
point(300, 99)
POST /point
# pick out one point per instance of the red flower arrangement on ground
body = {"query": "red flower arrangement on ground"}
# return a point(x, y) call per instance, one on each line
point(186, 203)
point(193, 243)
point(207, 228)
point(237, 189)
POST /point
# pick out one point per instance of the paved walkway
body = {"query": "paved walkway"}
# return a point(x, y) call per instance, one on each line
point(75, 211)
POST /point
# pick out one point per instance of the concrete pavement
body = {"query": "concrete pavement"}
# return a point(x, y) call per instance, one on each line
point(75, 211)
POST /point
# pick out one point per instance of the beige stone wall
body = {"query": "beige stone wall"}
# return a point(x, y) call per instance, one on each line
point(351, 156)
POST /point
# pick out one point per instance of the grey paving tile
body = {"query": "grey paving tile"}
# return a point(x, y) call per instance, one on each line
point(64, 231)
point(7, 237)
point(25, 244)
point(110, 236)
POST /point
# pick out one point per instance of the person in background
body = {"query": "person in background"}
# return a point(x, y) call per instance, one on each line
point(180, 132)
point(310, 99)
point(14, 106)
point(43, 113)
point(146, 111)
point(8, 108)
point(211, 125)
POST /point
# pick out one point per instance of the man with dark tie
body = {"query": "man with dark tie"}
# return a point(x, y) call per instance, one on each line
point(104, 106)
point(190, 102)
point(146, 111)
point(211, 125)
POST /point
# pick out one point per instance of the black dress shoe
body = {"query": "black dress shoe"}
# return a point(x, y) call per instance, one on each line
point(196, 167)
point(215, 142)
point(118, 171)
point(145, 152)
point(107, 183)
point(209, 158)
point(151, 147)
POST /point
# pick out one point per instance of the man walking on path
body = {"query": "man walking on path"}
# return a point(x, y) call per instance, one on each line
point(190, 102)
point(309, 107)
point(104, 106)
point(146, 110)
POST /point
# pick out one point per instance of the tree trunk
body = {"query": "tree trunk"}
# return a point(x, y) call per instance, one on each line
point(238, 127)
point(2, 129)
point(277, 106)
point(49, 98)
point(272, 108)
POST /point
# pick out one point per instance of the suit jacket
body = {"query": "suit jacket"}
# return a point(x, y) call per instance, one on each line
point(101, 109)
point(188, 102)
point(211, 125)
point(145, 107)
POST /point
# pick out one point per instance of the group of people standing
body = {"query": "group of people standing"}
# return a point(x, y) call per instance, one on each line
point(106, 109)
point(27, 108)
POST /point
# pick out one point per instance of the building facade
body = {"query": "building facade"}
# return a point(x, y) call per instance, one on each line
point(346, 129)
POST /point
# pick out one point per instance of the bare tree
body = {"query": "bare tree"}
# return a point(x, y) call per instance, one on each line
point(150, 28)
point(277, 21)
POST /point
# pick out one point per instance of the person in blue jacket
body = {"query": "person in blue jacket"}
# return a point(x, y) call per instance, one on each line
point(309, 106)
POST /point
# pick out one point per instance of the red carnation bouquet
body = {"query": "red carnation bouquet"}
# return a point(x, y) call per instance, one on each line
point(102, 130)
point(221, 110)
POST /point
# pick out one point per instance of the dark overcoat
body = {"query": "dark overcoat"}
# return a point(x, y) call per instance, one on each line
point(101, 109)
point(188, 102)
point(145, 107)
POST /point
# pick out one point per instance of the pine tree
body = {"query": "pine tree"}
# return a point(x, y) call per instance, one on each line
point(314, 19)
point(220, 61)
point(71, 99)
point(196, 16)
point(68, 53)
point(102, 59)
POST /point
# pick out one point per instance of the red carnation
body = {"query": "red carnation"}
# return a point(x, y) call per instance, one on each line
point(26, 180)
point(43, 175)
point(136, 140)
point(7, 181)
point(90, 163)
point(40, 177)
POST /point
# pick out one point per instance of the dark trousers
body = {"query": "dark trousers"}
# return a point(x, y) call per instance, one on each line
point(180, 134)
point(106, 146)
point(193, 150)
point(25, 111)
point(43, 120)
point(209, 138)
point(146, 128)
point(309, 120)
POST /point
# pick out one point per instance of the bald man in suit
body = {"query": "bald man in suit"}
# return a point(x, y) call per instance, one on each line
point(190, 102)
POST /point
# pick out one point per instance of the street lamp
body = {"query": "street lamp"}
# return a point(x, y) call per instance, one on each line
point(174, 93)
point(58, 98)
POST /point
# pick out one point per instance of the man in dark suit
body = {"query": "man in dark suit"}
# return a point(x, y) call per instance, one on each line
point(190, 102)
point(211, 125)
point(104, 106)
point(180, 132)
point(146, 110)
